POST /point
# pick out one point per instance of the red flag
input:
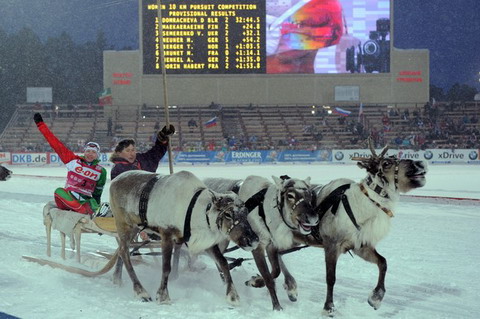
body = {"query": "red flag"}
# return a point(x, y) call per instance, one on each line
point(105, 97)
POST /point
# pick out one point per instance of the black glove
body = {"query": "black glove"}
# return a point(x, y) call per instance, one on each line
point(163, 135)
point(37, 118)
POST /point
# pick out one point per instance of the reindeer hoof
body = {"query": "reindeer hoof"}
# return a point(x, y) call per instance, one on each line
point(256, 282)
point(164, 302)
point(292, 296)
point(141, 294)
point(163, 298)
point(233, 300)
point(277, 308)
point(375, 299)
point(291, 293)
point(144, 296)
point(328, 311)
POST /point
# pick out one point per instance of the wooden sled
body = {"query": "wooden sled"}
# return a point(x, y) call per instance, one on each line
point(74, 224)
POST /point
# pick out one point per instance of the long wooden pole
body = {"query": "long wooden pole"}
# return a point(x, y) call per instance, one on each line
point(164, 78)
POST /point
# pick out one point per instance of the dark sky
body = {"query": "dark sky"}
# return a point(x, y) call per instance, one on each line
point(450, 29)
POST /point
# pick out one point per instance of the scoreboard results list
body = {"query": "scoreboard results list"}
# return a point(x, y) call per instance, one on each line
point(205, 36)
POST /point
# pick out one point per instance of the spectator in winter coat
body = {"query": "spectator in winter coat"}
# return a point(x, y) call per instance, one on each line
point(125, 156)
point(85, 177)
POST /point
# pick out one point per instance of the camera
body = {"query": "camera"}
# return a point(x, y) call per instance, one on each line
point(374, 54)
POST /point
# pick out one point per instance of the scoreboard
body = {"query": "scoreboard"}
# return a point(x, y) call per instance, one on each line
point(266, 36)
point(205, 36)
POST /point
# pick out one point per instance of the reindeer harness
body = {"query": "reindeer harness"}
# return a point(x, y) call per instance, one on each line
point(143, 202)
point(143, 206)
point(333, 201)
point(371, 165)
point(386, 210)
point(280, 203)
point(256, 200)
point(186, 227)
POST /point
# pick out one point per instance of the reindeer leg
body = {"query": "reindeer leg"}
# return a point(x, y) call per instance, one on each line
point(272, 254)
point(222, 264)
point(259, 256)
point(167, 249)
point(223, 245)
point(117, 274)
point(290, 284)
point(125, 236)
point(370, 254)
point(176, 259)
point(278, 266)
point(331, 258)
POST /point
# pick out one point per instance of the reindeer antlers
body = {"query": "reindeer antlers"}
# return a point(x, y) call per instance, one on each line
point(374, 155)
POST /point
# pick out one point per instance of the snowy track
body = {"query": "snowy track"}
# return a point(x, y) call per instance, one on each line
point(431, 251)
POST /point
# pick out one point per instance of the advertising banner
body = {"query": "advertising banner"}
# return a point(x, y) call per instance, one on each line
point(193, 157)
point(247, 156)
point(47, 158)
point(452, 156)
point(29, 158)
point(305, 156)
point(4, 157)
point(434, 156)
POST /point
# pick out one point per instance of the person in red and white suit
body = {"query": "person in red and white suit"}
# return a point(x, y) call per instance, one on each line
point(86, 178)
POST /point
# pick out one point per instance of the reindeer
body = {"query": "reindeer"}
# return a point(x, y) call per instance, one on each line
point(180, 209)
point(5, 173)
point(356, 216)
point(277, 210)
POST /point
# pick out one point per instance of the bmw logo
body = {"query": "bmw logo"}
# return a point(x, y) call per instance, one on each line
point(428, 155)
point(473, 155)
point(338, 156)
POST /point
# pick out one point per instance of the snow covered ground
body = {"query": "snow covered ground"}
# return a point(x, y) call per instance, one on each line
point(432, 252)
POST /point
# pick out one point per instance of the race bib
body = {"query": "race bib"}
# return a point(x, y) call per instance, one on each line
point(81, 179)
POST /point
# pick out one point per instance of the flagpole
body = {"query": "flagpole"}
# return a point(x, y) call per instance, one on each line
point(164, 78)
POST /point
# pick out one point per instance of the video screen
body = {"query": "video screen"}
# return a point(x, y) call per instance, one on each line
point(267, 36)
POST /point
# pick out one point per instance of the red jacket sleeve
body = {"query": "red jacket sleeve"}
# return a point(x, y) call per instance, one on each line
point(65, 154)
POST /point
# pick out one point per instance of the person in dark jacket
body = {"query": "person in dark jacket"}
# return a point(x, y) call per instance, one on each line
point(125, 157)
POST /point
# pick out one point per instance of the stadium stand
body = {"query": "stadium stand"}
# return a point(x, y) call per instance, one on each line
point(443, 125)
